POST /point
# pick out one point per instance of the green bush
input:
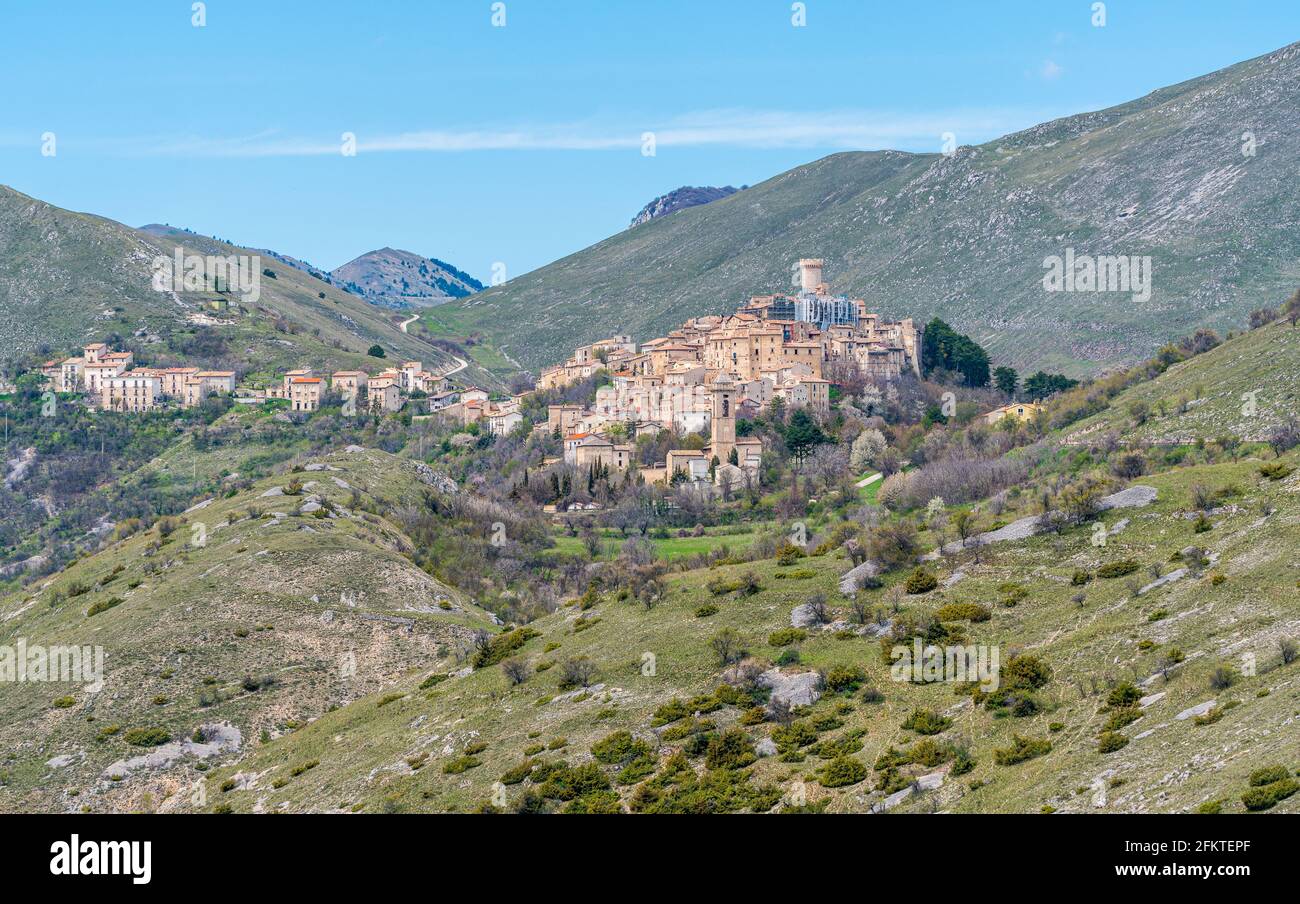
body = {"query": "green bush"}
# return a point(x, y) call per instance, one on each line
point(842, 771)
point(927, 722)
point(615, 748)
point(1268, 775)
point(788, 554)
point(1021, 749)
point(920, 581)
point(1025, 672)
point(786, 636)
point(733, 749)
point(1110, 741)
point(670, 712)
point(517, 774)
point(103, 605)
point(460, 764)
point(973, 612)
point(845, 679)
point(1125, 693)
point(1265, 796)
point(499, 648)
point(146, 737)
point(1121, 716)
point(1080, 577)
point(1118, 569)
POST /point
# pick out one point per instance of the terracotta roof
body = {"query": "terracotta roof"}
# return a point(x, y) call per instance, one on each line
point(305, 380)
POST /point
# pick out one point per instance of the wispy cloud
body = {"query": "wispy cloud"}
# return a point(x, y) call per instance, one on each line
point(837, 130)
point(1051, 70)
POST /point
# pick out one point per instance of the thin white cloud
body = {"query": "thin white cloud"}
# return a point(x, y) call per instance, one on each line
point(837, 130)
point(1051, 70)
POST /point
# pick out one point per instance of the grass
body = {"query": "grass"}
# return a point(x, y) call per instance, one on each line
point(265, 627)
point(1087, 646)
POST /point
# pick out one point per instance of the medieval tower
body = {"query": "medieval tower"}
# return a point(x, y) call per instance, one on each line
point(723, 418)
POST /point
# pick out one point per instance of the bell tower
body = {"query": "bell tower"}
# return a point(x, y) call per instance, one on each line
point(723, 419)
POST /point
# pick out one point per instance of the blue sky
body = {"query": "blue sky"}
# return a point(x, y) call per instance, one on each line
point(521, 144)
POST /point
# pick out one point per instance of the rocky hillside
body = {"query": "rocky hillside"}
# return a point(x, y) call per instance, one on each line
point(680, 199)
point(657, 723)
point(69, 278)
point(1168, 176)
point(249, 616)
point(399, 279)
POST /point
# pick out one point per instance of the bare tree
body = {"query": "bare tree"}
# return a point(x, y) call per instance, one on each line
point(515, 670)
point(728, 647)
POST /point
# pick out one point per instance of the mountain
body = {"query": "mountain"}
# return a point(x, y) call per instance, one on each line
point(399, 279)
point(966, 236)
point(680, 199)
point(70, 278)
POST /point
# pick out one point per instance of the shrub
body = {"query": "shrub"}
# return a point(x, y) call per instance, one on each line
point(1125, 693)
point(733, 749)
point(1266, 796)
point(1268, 775)
point(842, 771)
point(845, 679)
point(65, 702)
point(787, 554)
point(1110, 741)
point(1021, 749)
point(1025, 672)
point(728, 647)
point(1125, 715)
point(1080, 577)
point(926, 722)
point(1274, 470)
point(577, 671)
point(920, 581)
point(1223, 678)
point(706, 610)
point(494, 650)
point(670, 712)
point(103, 605)
point(146, 737)
point(1118, 569)
point(786, 636)
point(963, 612)
point(460, 764)
point(615, 748)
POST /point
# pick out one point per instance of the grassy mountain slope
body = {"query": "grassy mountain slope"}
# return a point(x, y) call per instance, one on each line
point(67, 278)
point(281, 613)
point(1210, 395)
point(408, 754)
point(965, 236)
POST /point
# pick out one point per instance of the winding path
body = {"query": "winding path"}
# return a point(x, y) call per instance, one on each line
point(406, 323)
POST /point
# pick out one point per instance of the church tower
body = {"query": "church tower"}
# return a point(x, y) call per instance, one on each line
point(723, 419)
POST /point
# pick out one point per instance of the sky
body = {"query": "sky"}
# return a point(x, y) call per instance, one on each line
point(502, 136)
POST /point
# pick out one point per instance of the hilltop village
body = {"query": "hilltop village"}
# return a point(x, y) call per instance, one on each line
point(702, 379)
point(109, 380)
point(699, 379)
point(713, 369)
